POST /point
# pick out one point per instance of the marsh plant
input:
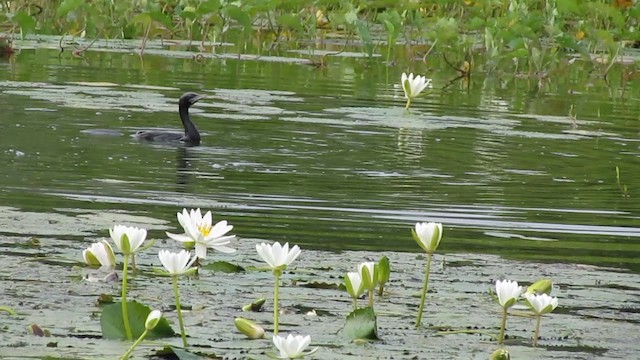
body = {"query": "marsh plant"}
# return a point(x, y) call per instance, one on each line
point(249, 328)
point(178, 264)
point(278, 257)
point(428, 236)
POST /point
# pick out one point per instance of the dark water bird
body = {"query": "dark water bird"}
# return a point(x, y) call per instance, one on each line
point(191, 136)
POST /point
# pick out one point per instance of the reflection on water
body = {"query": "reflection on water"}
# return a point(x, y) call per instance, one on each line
point(326, 159)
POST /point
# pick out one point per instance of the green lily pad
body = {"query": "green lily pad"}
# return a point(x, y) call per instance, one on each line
point(223, 266)
point(173, 352)
point(361, 324)
point(113, 325)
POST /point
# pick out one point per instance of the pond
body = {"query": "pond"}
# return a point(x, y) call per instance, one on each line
point(522, 175)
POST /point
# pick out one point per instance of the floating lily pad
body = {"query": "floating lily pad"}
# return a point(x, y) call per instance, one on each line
point(361, 324)
point(223, 266)
point(113, 325)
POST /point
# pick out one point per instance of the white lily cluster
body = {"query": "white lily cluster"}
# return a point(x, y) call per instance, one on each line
point(509, 292)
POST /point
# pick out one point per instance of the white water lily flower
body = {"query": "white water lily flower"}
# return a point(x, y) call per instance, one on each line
point(413, 86)
point(152, 320)
point(541, 304)
point(370, 276)
point(100, 254)
point(128, 238)
point(177, 263)
point(508, 292)
point(276, 255)
point(292, 347)
point(198, 229)
point(354, 284)
point(427, 235)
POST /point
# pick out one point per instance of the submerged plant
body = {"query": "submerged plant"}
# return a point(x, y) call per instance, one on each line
point(508, 293)
point(292, 347)
point(540, 304)
point(199, 232)
point(355, 286)
point(413, 86)
point(428, 236)
point(100, 254)
point(128, 240)
point(152, 321)
point(178, 264)
point(278, 257)
point(369, 273)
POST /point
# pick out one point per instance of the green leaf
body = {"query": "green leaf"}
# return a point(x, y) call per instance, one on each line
point(113, 326)
point(223, 266)
point(67, 6)
point(25, 21)
point(180, 353)
point(384, 270)
point(240, 16)
point(361, 324)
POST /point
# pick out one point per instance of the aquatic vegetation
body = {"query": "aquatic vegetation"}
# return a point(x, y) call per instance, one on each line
point(293, 346)
point(384, 272)
point(540, 304)
point(199, 231)
point(178, 264)
point(428, 236)
point(532, 34)
point(278, 257)
point(507, 293)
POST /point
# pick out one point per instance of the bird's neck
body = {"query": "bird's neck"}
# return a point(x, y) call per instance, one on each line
point(190, 131)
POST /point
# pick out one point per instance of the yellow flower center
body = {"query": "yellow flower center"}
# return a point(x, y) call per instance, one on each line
point(204, 229)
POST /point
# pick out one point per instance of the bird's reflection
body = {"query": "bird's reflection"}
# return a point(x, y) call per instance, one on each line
point(183, 165)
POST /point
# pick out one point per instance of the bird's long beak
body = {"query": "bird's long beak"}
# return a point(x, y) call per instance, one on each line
point(198, 98)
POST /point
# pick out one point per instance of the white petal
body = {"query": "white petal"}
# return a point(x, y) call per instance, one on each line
point(201, 250)
point(180, 237)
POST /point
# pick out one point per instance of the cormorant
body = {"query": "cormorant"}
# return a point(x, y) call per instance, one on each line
point(191, 136)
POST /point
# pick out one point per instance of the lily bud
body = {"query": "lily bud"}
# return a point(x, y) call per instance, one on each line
point(254, 306)
point(500, 354)
point(152, 320)
point(542, 286)
point(99, 254)
point(249, 328)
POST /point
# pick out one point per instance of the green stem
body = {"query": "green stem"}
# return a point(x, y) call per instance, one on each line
point(125, 313)
point(503, 324)
point(133, 263)
point(537, 333)
point(176, 293)
point(424, 290)
point(276, 311)
point(408, 104)
point(136, 343)
point(371, 298)
point(8, 310)
point(355, 304)
point(381, 290)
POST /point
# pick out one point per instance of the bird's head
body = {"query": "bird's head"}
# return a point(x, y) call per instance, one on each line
point(190, 98)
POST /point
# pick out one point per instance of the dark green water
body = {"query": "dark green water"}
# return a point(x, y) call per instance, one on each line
point(327, 158)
